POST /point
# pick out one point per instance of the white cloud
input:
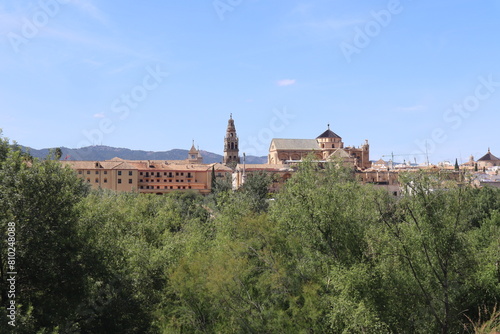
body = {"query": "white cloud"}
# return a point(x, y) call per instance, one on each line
point(286, 82)
point(99, 115)
point(413, 108)
point(87, 7)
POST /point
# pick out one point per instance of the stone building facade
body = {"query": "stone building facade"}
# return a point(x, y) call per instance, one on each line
point(325, 147)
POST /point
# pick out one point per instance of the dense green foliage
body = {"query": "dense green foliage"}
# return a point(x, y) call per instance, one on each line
point(327, 255)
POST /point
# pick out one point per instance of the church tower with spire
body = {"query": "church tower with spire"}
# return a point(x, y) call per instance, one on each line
point(231, 151)
point(194, 155)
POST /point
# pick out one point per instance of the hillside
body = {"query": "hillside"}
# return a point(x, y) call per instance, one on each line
point(100, 153)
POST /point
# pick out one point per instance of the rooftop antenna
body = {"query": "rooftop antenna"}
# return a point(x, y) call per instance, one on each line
point(244, 176)
point(427, 154)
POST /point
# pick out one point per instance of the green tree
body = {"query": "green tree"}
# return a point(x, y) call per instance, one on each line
point(256, 189)
point(40, 197)
point(424, 252)
point(213, 179)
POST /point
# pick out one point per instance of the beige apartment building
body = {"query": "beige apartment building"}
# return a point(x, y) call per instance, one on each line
point(150, 176)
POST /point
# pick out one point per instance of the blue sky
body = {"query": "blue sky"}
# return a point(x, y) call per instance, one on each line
point(156, 75)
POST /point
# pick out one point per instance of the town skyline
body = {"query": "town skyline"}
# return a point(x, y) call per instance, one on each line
point(397, 73)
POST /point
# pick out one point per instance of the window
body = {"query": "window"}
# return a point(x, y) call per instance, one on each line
point(79, 172)
point(130, 181)
point(119, 180)
point(105, 180)
point(140, 173)
point(105, 172)
point(88, 172)
point(96, 180)
point(142, 187)
point(182, 174)
point(130, 173)
point(96, 172)
point(88, 180)
point(176, 174)
point(119, 172)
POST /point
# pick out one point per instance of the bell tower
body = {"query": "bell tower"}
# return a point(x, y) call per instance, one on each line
point(231, 151)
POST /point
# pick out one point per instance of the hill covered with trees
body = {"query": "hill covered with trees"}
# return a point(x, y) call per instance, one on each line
point(326, 255)
point(100, 152)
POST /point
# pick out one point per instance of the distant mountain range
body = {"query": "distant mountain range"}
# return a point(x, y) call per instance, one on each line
point(99, 153)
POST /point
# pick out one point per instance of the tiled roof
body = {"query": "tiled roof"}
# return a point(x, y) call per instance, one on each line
point(328, 134)
point(263, 167)
point(149, 165)
point(341, 153)
point(489, 157)
point(380, 162)
point(294, 144)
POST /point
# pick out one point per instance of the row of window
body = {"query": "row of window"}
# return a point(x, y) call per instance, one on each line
point(170, 174)
point(166, 187)
point(130, 173)
point(130, 181)
point(165, 181)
